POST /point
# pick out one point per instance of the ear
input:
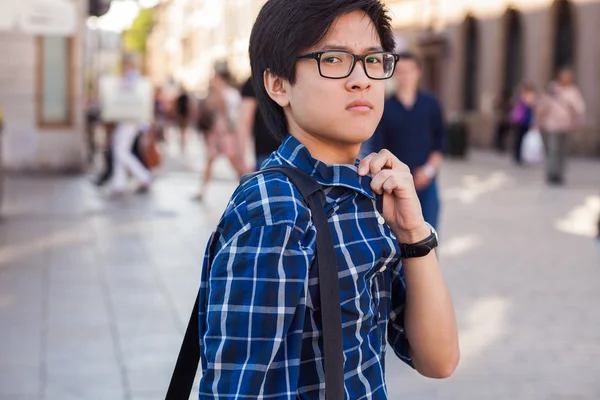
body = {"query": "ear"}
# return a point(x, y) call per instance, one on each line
point(276, 88)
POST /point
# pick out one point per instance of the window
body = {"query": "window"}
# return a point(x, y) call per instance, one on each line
point(513, 50)
point(470, 63)
point(564, 35)
point(55, 77)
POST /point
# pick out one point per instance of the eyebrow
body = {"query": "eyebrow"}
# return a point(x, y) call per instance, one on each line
point(333, 46)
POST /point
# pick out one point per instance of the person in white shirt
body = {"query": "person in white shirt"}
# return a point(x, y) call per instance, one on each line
point(123, 139)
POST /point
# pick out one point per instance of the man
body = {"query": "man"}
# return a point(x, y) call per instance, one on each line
point(560, 111)
point(319, 68)
point(182, 116)
point(412, 128)
point(251, 120)
point(124, 137)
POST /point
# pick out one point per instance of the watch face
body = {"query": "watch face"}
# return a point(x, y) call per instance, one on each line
point(433, 231)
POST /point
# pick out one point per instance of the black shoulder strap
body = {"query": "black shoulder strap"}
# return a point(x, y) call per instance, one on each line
point(329, 290)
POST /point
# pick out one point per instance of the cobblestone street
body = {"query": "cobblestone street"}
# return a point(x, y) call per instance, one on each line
point(95, 293)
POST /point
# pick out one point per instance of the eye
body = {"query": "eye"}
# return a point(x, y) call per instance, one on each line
point(374, 59)
point(332, 59)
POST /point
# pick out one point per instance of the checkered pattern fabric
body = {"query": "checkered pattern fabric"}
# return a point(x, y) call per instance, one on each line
point(259, 307)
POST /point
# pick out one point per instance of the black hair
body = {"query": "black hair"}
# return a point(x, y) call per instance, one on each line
point(284, 28)
point(408, 56)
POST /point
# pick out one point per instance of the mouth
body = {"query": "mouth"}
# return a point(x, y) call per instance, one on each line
point(360, 106)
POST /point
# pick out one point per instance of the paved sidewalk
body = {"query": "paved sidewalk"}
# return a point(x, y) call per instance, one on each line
point(95, 294)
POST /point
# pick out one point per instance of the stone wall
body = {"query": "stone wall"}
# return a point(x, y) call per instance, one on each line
point(25, 146)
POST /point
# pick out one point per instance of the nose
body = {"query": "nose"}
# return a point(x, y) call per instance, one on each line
point(358, 79)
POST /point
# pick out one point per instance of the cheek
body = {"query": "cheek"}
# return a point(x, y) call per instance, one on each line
point(314, 99)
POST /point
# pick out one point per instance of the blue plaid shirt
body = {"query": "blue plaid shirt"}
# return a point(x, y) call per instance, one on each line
point(259, 314)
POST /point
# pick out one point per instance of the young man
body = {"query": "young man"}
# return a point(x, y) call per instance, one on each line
point(319, 70)
point(412, 128)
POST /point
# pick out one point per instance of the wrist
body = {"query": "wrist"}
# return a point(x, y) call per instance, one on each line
point(429, 170)
point(411, 236)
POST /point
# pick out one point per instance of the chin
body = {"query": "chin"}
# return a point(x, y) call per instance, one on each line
point(360, 134)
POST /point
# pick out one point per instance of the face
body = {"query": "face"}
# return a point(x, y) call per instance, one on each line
point(528, 96)
point(407, 75)
point(338, 112)
point(565, 77)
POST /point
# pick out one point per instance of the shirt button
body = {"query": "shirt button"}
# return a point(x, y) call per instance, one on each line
point(382, 269)
point(380, 220)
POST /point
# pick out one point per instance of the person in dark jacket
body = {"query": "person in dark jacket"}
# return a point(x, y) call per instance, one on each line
point(412, 128)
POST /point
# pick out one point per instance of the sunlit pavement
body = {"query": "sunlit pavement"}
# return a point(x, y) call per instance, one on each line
point(95, 293)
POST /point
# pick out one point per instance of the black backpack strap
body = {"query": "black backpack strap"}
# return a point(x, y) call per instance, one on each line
point(184, 373)
point(329, 290)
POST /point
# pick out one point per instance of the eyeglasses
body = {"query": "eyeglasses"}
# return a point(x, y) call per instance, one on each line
point(339, 64)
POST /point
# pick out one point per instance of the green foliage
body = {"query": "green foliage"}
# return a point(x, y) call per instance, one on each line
point(134, 38)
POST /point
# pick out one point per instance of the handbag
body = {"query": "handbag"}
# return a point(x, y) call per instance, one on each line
point(518, 113)
point(312, 193)
point(151, 153)
point(532, 148)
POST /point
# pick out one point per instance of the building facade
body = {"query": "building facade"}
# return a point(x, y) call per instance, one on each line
point(191, 37)
point(474, 51)
point(41, 88)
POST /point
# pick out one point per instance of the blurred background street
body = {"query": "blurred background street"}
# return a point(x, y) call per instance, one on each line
point(94, 295)
point(103, 224)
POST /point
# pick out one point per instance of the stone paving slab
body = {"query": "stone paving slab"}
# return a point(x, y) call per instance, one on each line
point(95, 294)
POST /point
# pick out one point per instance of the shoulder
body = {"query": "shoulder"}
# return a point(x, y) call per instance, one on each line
point(389, 107)
point(267, 199)
point(431, 101)
point(248, 89)
point(428, 97)
point(391, 101)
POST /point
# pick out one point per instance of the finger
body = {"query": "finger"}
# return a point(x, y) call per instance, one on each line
point(386, 160)
point(398, 184)
point(363, 167)
point(379, 179)
point(390, 178)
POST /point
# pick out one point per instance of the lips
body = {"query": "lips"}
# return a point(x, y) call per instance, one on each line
point(360, 105)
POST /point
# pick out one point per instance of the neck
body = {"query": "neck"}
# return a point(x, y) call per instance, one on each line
point(407, 96)
point(327, 151)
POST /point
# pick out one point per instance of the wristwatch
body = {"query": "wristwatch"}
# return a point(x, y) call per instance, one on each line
point(422, 248)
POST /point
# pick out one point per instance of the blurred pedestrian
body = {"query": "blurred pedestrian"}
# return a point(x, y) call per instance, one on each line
point(124, 138)
point(92, 114)
point(502, 111)
point(182, 116)
point(109, 159)
point(160, 115)
point(521, 117)
point(251, 123)
point(560, 112)
point(412, 128)
point(222, 107)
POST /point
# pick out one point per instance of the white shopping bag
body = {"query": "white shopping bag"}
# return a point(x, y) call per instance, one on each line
point(532, 148)
point(123, 100)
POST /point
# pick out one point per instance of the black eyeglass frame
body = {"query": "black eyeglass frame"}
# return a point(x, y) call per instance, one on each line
point(355, 58)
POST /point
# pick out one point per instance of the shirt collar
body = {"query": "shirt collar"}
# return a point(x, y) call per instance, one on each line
point(295, 153)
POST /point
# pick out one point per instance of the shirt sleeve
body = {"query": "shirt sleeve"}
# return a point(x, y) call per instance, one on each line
point(439, 128)
point(396, 332)
point(255, 314)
